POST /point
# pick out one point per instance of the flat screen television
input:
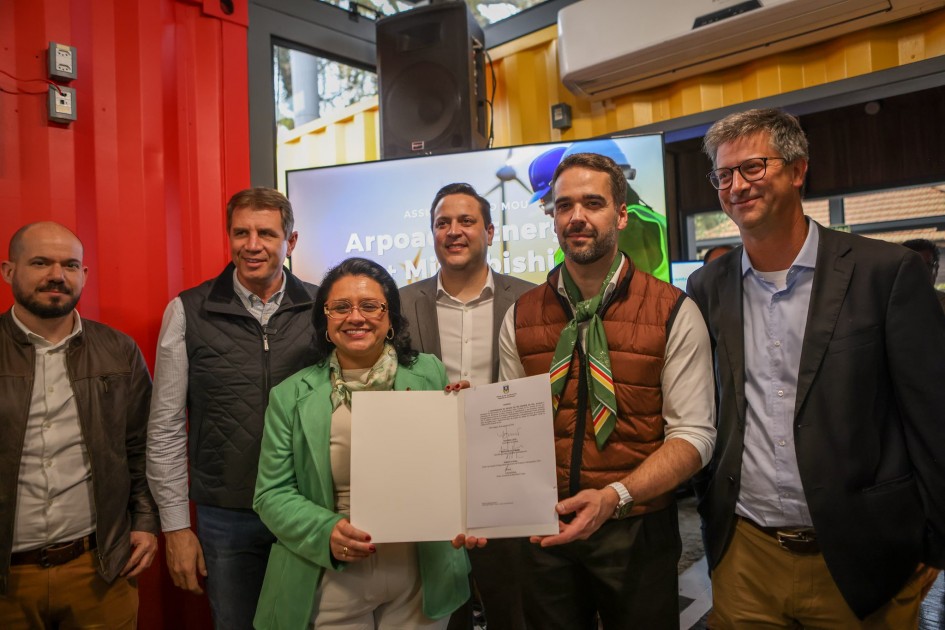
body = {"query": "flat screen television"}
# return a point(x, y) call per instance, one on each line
point(681, 271)
point(381, 210)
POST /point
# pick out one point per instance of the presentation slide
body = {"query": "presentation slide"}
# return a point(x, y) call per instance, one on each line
point(381, 210)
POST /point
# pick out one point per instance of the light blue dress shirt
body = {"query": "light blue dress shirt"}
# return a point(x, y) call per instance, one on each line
point(775, 317)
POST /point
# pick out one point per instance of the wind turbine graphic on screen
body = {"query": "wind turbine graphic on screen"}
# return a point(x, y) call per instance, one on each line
point(505, 174)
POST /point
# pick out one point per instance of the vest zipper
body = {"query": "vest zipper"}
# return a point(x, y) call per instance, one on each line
point(267, 378)
point(580, 424)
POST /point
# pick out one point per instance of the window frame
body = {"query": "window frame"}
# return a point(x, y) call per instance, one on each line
point(305, 25)
point(338, 34)
point(912, 77)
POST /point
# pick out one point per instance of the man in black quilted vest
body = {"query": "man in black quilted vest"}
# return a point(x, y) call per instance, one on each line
point(223, 345)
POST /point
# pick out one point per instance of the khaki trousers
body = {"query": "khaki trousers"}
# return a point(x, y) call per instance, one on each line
point(759, 585)
point(381, 592)
point(71, 595)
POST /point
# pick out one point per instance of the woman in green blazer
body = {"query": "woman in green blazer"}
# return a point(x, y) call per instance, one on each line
point(322, 570)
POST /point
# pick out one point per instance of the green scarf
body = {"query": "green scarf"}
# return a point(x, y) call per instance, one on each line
point(379, 378)
point(600, 379)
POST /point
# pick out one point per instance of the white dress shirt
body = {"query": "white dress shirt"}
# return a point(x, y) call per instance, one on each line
point(54, 486)
point(466, 333)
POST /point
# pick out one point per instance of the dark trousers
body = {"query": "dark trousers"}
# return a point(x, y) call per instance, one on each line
point(626, 572)
point(236, 548)
point(495, 575)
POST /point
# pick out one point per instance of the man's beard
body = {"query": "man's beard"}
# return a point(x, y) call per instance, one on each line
point(46, 311)
point(599, 246)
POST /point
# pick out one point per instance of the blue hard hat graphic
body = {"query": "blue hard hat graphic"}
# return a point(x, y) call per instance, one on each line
point(602, 146)
point(541, 170)
point(605, 147)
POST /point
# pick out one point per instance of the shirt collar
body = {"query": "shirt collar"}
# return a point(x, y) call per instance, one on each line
point(487, 289)
point(611, 286)
point(806, 258)
point(39, 340)
point(248, 297)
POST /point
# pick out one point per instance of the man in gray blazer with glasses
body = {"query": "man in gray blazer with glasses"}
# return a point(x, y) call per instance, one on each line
point(824, 502)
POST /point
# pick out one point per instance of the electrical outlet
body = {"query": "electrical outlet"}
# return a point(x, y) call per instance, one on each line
point(561, 116)
point(60, 60)
point(61, 104)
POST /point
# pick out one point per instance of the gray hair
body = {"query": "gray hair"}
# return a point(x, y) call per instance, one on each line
point(262, 198)
point(783, 129)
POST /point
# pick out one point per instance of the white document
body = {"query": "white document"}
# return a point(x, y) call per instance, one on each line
point(431, 465)
point(511, 485)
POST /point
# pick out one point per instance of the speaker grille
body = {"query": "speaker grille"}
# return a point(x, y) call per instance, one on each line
point(422, 104)
point(430, 81)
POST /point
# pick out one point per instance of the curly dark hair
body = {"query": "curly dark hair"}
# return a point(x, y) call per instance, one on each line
point(406, 356)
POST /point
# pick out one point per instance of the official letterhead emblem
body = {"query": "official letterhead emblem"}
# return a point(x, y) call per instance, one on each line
point(505, 389)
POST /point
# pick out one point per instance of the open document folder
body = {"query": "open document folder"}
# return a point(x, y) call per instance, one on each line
point(431, 465)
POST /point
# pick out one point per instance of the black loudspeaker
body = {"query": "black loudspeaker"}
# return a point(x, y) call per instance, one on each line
point(430, 81)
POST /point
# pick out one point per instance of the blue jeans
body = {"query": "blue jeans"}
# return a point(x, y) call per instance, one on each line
point(236, 549)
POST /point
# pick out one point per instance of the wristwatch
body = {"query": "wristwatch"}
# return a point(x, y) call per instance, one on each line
point(625, 501)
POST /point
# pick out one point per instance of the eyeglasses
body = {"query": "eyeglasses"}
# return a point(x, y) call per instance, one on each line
point(369, 309)
point(751, 170)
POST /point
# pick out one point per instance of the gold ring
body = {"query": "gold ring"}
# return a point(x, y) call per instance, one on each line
point(344, 551)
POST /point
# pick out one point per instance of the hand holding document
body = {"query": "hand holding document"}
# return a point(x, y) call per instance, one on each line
point(426, 465)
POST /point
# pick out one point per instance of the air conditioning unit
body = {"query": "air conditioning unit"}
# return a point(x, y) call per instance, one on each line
point(611, 47)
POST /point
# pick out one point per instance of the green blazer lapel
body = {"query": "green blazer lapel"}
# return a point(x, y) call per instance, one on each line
point(314, 409)
point(406, 378)
point(831, 281)
point(732, 330)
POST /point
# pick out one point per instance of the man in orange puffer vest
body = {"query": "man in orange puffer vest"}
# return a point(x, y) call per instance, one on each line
point(631, 378)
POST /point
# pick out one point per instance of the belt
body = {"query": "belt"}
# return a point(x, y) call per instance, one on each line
point(802, 541)
point(57, 554)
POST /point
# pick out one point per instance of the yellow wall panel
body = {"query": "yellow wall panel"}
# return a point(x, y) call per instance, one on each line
point(814, 71)
point(510, 95)
point(911, 49)
point(885, 52)
point(768, 80)
point(349, 135)
point(934, 40)
point(792, 76)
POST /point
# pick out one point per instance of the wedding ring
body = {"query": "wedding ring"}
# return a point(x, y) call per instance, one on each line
point(344, 551)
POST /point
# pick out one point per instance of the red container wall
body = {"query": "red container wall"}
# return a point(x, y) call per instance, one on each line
point(142, 176)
